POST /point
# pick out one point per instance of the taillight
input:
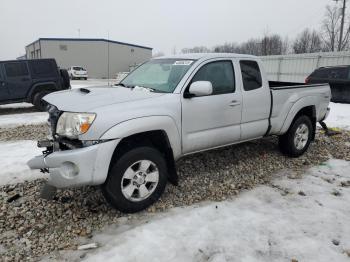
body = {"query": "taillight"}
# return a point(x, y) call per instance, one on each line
point(307, 80)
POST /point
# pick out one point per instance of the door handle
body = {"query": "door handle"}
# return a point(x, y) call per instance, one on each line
point(2, 83)
point(235, 103)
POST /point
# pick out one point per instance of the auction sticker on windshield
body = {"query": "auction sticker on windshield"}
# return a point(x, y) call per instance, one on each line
point(183, 62)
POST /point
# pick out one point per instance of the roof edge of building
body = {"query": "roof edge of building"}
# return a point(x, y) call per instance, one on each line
point(88, 39)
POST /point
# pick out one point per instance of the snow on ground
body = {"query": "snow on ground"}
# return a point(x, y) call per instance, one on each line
point(14, 156)
point(13, 120)
point(16, 105)
point(260, 225)
point(339, 116)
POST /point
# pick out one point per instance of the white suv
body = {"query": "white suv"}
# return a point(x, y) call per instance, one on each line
point(77, 72)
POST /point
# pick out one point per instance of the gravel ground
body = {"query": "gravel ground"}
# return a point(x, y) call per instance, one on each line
point(27, 132)
point(31, 227)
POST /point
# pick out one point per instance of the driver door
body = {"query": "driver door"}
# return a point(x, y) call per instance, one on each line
point(214, 120)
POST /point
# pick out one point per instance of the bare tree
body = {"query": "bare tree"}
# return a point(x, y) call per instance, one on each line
point(173, 51)
point(227, 48)
point(272, 45)
point(196, 49)
point(331, 27)
point(308, 42)
point(158, 54)
point(252, 47)
point(269, 45)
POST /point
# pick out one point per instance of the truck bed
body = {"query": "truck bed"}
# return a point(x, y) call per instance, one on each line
point(286, 96)
point(275, 85)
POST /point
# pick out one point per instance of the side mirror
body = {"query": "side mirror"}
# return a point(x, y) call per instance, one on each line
point(200, 88)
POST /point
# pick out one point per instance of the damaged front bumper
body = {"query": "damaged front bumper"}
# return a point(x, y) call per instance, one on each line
point(77, 166)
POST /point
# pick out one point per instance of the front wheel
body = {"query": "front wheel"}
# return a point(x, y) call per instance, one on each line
point(38, 102)
point(298, 138)
point(136, 180)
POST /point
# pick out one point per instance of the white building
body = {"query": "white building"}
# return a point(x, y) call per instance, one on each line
point(102, 58)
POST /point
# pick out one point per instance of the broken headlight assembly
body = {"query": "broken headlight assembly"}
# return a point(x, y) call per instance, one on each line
point(71, 125)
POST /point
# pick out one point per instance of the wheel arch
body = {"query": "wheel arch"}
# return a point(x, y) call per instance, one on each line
point(157, 139)
point(159, 132)
point(302, 107)
point(45, 86)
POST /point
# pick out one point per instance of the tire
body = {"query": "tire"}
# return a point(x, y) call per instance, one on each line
point(129, 187)
point(85, 78)
point(38, 102)
point(298, 138)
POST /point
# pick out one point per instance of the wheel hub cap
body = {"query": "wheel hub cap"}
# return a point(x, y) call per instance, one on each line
point(140, 180)
point(301, 136)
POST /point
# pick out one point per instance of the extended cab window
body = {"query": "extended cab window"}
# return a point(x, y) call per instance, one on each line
point(16, 69)
point(251, 75)
point(220, 74)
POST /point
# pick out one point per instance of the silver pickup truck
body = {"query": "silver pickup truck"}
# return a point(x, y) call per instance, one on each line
point(128, 137)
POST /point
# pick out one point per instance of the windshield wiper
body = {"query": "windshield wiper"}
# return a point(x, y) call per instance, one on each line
point(143, 87)
point(123, 85)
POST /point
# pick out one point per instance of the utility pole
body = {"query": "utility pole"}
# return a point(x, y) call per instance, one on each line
point(108, 56)
point(340, 45)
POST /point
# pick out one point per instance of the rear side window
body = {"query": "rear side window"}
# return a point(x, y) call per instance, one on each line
point(43, 68)
point(332, 73)
point(251, 75)
point(220, 74)
point(16, 69)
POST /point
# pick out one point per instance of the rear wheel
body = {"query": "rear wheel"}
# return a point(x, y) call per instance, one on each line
point(38, 102)
point(65, 78)
point(298, 138)
point(136, 180)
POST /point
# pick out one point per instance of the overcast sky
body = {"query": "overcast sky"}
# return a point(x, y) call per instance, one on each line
point(161, 24)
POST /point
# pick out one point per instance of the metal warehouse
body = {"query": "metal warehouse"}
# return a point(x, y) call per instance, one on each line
point(101, 57)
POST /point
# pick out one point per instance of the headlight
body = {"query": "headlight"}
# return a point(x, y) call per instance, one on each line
point(74, 124)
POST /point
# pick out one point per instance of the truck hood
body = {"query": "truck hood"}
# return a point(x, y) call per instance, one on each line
point(88, 99)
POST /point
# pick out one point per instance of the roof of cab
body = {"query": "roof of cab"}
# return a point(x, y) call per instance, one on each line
point(205, 56)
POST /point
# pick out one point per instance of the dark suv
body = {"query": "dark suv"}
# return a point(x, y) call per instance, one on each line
point(30, 80)
point(338, 78)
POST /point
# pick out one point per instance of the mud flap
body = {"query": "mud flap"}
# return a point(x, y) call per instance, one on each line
point(328, 131)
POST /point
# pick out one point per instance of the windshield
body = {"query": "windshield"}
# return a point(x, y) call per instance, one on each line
point(162, 75)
